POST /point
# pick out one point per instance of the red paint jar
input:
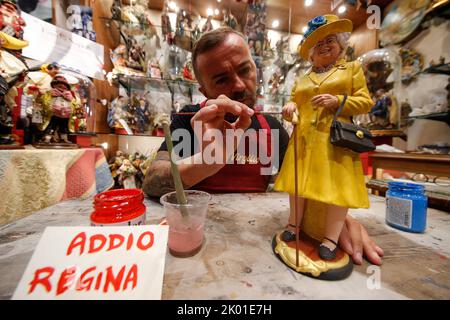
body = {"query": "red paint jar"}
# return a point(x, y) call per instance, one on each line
point(121, 207)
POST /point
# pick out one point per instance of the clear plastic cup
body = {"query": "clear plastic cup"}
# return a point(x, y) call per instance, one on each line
point(186, 233)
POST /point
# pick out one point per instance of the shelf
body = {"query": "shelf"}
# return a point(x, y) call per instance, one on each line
point(388, 133)
point(145, 25)
point(438, 198)
point(185, 82)
point(441, 116)
point(161, 80)
point(84, 134)
point(135, 135)
point(443, 68)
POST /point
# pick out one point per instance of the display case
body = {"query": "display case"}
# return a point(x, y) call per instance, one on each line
point(383, 72)
point(57, 103)
point(153, 67)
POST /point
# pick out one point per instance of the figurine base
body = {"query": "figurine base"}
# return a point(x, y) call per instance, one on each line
point(309, 262)
point(43, 145)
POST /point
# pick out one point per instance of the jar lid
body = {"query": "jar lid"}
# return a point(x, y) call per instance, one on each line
point(118, 195)
point(118, 205)
point(406, 185)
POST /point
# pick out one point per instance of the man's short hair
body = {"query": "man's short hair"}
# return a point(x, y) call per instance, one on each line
point(209, 41)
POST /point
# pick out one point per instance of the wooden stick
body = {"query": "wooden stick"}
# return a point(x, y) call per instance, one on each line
point(192, 113)
point(297, 231)
point(181, 197)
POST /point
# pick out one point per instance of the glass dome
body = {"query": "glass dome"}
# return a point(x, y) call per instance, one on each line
point(57, 102)
point(86, 97)
point(383, 72)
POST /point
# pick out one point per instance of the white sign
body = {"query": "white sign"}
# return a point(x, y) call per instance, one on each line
point(49, 43)
point(96, 263)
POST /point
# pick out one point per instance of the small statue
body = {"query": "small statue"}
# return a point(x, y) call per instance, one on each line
point(11, 22)
point(229, 20)
point(151, 44)
point(42, 79)
point(274, 83)
point(166, 27)
point(154, 70)
point(142, 112)
point(116, 10)
point(86, 17)
point(380, 111)
point(117, 111)
point(208, 25)
point(74, 21)
point(135, 55)
point(5, 115)
point(196, 32)
point(138, 160)
point(405, 110)
point(118, 57)
point(90, 33)
point(188, 71)
point(58, 107)
point(80, 116)
point(182, 36)
point(126, 174)
point(115, 163)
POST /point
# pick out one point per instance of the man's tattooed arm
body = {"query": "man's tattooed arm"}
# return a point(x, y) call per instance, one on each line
point(158, 179)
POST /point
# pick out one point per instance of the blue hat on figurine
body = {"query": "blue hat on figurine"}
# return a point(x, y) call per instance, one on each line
point(319, 28)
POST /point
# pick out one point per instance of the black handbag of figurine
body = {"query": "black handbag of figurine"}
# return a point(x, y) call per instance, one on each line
point(349, 135)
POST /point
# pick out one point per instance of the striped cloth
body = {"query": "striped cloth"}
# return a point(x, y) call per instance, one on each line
point(32, 179)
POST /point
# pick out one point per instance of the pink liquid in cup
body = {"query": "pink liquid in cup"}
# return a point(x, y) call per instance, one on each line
point(185, 243)
point(186, 233)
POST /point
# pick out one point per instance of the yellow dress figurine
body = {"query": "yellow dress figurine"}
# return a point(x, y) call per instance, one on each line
point(330, 179)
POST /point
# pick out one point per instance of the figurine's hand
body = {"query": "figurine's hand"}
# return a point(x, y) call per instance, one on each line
point(288, 110)
point(355, 240)
point(325, 101)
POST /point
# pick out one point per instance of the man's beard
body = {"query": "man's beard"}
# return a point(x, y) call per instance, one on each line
point(243, 96)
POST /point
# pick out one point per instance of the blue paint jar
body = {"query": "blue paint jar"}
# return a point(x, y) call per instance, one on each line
point(406, 206)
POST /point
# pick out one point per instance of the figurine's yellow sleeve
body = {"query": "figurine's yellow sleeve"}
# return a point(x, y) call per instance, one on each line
point(359, 101)
point(294, 88)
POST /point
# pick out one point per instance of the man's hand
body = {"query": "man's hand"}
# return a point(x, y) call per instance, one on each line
point(325, 101)
point(212, 115)
point(355, 240)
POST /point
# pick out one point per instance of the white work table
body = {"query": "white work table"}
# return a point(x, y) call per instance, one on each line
point(237, 262)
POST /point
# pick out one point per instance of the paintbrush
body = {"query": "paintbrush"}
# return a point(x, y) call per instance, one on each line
point(256, 113)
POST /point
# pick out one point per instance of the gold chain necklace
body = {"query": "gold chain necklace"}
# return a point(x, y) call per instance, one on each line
point(322, 70)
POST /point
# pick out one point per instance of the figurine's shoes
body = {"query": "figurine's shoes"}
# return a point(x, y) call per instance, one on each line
point(326, 253)
point(309, 262)
point(288, 235)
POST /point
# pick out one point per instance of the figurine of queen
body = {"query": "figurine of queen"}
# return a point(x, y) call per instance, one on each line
point(329, 176)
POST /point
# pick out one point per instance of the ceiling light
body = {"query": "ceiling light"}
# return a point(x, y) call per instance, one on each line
point(219, 1)
point(209, 12)
point(342, 9)
point(216, 12)
point(275, 24)
point(172, 5)
point(308, 3)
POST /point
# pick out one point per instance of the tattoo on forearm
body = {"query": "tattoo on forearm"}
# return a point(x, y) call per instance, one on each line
point(158, 180)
